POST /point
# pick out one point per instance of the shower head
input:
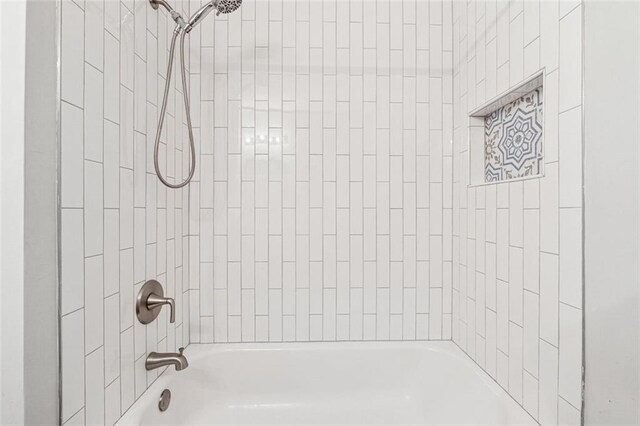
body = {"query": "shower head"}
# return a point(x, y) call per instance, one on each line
point(228, 6)
point(222, 6)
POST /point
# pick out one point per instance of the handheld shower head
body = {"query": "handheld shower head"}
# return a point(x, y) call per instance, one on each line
point(228, 6)
point(222, 6)
point(181, 30)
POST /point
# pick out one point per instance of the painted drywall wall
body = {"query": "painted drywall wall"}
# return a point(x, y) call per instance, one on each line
point(611, 191)
point(41, 354)
point(12, 80)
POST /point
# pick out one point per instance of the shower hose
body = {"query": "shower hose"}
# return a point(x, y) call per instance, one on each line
point(192, 166)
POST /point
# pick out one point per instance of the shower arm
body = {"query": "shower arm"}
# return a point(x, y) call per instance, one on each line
point(174, 15)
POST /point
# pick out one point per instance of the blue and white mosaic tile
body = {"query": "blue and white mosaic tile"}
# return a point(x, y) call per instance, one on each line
point(513, 139)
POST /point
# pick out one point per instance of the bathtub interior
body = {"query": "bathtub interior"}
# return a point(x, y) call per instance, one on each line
point(328, 383)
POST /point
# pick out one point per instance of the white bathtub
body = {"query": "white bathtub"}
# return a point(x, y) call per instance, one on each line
point(328, 383)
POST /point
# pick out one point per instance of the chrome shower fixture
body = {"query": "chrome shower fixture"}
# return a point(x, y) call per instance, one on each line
point(182, 29)
point(222, 6)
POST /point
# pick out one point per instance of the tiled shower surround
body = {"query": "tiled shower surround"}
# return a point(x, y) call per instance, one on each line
point(119, 225)
point(323, 206)
point(330, 200)
point(517, 261)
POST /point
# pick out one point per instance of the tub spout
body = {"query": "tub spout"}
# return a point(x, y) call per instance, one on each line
point(157, 360)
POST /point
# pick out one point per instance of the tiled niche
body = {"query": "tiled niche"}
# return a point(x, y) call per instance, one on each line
point(513, 139)
point(507, 134)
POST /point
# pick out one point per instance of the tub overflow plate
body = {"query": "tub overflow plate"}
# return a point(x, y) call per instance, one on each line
point(165, 400)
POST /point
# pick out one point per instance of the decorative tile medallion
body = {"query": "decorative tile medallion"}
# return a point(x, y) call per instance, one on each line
point(513, 139)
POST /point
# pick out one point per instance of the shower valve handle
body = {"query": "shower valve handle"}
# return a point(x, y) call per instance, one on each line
point(154, 301)
point(150, 301)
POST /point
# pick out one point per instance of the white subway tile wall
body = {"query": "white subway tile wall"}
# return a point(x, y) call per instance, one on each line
point(323, 199)
point(517, 287)
point(120, 226)
point(330, 197)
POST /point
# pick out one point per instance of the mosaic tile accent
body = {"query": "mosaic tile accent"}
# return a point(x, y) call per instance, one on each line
point(513, 139)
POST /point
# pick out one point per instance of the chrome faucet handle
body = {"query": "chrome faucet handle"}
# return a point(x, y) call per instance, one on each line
point(154, 301)
point(150, 301)
point(180, 350)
